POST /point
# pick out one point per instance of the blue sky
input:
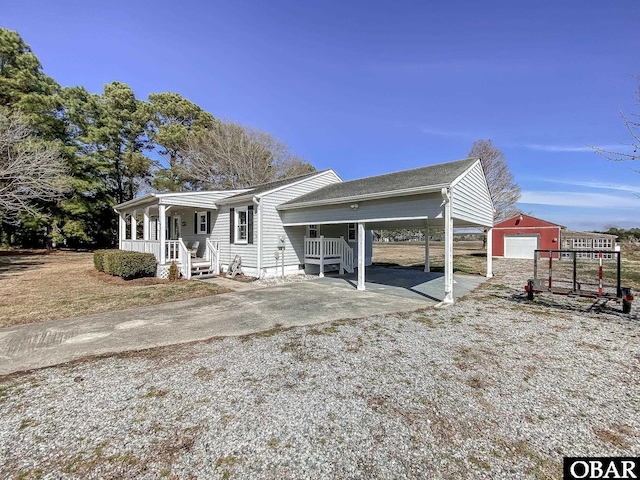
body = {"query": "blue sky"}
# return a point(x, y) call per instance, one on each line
point(374, 87)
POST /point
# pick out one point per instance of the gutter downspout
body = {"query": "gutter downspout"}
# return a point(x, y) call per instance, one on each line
point(258, 210)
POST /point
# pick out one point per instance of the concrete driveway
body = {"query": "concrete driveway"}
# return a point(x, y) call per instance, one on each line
point(406, 282)
point(54, 342)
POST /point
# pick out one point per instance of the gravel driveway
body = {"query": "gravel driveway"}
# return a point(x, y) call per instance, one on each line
point(491, 387)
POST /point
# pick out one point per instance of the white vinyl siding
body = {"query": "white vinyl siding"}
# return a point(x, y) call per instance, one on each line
point(220, 232)
point(471, 201)
point(398, 208)
point(204, 200)
point(272, 225)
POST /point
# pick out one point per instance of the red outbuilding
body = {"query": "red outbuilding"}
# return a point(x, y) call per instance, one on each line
point(519, 236)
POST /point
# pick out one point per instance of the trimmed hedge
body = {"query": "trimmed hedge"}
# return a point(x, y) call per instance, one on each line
point(127, 265)
point(98, 259)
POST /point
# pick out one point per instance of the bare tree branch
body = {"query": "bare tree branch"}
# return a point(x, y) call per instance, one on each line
point(633, 127)
point(504, 192)
point(229, 156)
point(31, 170)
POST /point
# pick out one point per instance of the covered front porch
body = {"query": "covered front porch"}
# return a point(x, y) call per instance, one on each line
point(172, 233)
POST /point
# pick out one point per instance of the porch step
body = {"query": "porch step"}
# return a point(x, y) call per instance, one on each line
point(201, 270)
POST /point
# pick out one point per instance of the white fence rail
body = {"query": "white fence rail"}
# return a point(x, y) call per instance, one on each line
point(142, 246)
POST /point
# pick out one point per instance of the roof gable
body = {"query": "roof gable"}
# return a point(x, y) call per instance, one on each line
point(262, 189)
point(422, 178)
point(526, 221)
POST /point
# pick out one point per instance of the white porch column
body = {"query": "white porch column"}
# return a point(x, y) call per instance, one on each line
point(163, 225)
point(361, 252)
point(122, 230)
point(427, 268)
point(321, 256)
point(448, 247)
point(134, 225)
point(145, 224)
point(489, 252)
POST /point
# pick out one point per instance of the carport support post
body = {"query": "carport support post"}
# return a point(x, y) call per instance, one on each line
point(489, 252)
point(427, 268)
point(361, 252)
point(163, 226)
point(448, 247)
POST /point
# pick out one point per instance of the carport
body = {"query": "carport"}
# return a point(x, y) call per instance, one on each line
point(444, 196)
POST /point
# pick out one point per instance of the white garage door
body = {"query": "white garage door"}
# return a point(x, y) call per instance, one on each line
point(520, 246)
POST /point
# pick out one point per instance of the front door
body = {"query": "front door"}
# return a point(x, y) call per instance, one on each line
point(173, 230)
point(176, 230)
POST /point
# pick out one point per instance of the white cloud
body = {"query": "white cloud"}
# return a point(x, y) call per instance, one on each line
point(438, 132)
point(574, 148)
point(579, 199)
point(599, 185)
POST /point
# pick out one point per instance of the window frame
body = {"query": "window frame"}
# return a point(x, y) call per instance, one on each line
point(237, 225)
point(313, 228)
point(201, 223)
point(352, 228)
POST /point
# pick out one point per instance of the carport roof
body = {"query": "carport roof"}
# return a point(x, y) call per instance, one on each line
point(387, 185)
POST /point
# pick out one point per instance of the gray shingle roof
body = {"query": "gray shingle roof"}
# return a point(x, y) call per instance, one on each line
point(422, 177)
point(265, 187)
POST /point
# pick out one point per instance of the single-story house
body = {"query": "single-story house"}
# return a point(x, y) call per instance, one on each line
point(520, 235)
point(601, 242)
point(307, 223)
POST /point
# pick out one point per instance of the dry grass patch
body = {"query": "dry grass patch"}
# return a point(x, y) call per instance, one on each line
point(468, 257)
point(65, 284)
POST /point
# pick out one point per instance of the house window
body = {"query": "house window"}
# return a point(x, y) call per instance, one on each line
point(602, 243)
point(579, 243)
point(202, 222)
point(313, 231)
point(351, 233)
point(241, 225)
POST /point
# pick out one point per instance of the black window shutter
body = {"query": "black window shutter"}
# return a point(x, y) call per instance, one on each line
point(169, 228)
point(195, 223)
point(208, 222)
point(232, 221)
point(250, 224)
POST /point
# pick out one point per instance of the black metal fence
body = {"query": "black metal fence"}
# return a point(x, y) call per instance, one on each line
point(589, 273)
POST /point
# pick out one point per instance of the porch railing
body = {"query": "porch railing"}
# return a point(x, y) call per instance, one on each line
point(142, 246)
point(176, 251)
point(323, 249)
point(212, 254)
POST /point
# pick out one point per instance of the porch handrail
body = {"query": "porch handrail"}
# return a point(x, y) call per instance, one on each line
point(347, 254)
point(322, 247)
point(176, 251)
point(185, 259)
point(212, 252)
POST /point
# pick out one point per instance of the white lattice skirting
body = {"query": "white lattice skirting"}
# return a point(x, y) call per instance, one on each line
point(163, 271)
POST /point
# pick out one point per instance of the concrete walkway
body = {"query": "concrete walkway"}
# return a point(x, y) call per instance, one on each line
point(54, 342)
